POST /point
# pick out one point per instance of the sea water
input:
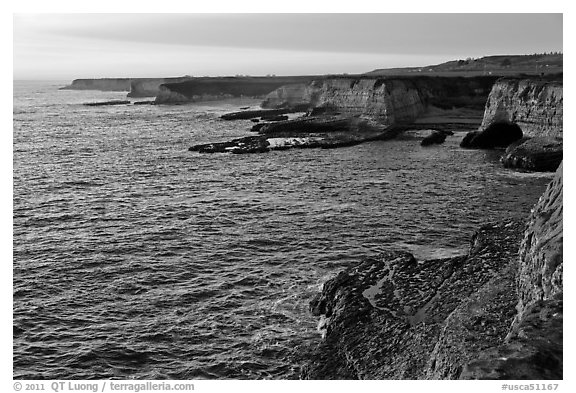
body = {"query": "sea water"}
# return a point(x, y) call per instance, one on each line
point(135, 258)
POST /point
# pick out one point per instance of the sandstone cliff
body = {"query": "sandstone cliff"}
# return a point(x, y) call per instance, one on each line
point(150, 87)
point(200, 89)
point(386, 100)
point(492, 314)
point(287, 95)
point(104, 84)
point(533, 348)
point(535, 105)
point(344, 111)
point(166, 95)
point(540, 270)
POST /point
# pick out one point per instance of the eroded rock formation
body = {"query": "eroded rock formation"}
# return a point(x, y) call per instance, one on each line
point(286, 96)
point(385, 316)
point(387, 100)
point(150, 87)
point(539, 154)
point(435, 138)
point(104, 84)
point(534, 105)
point(533, 348)
point(517, 110)
point(265, 114)
point(308, 132)
point(107, 103)
point(540, 270)
point(370, 109)
point(492, 314)
point(209, 89)
point(498, 134)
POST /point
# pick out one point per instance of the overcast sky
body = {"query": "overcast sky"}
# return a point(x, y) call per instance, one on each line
point(68, 46)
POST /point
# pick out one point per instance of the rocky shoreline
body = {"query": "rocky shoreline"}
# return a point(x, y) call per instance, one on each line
point(495, 313)
point(525, 118)
point(324, 132)
point(347, 111)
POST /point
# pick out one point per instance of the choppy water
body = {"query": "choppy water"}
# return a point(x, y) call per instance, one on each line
point(134, 258)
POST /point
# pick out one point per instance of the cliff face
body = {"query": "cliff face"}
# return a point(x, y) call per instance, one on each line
point(388, 101)
point(166, 95)
point(288, 95)
point(199, 89)
point(492, 314)
point(105, 84)
point(533, 348)
point(398, 318)
point(150, 87)
point(540, 272)
point(535, 105)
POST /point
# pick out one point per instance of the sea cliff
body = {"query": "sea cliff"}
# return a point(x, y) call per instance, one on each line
point(207, 89)
point(534, 105)
point(104, 84)
point(523, 116)
point(387, 100)
point(495, 313)
point(150, 87)
point(345, 111)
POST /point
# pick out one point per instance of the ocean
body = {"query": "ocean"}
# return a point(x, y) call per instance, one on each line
point(137, 259)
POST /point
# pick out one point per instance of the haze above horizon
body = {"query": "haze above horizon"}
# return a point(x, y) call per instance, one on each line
point(69, 46)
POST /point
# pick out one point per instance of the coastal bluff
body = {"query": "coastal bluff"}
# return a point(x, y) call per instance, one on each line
point(346, 111)
point(217, 88)
point(136, 87)
point(534, 105)
point(102, 84)
point(150, 87)
point(525, 117)
point(494, 313)
point(386, 100)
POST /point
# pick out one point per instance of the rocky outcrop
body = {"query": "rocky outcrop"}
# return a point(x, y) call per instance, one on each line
point(107, 103)
point(366, 106)
point(150, 87)
point(217, 88)
point(104, 84)
point(517, 110)
point(492, 314)
point(387, 99)
point(435, 138)
point(534, 105)
point(309, 132)
point(137, 87)
point(287, 96)
point(499, 134)
point(534, 154)
point(385, 317)
point(167, 96)
point(541, 268)
point(263, 113)
point(275, 117)
point(533, 349)
point(250, 144)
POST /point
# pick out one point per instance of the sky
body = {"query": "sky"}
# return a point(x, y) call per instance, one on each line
point(69, 46)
